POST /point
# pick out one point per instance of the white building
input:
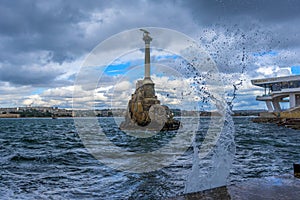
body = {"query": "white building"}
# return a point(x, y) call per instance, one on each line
point(279, 89)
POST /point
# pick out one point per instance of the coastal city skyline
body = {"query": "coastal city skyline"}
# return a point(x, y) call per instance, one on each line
point(37, 69)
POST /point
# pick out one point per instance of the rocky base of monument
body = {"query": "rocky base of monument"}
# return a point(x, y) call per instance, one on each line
point(169, 125)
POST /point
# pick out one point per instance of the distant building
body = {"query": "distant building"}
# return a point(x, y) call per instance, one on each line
point(279, 89)
point(9, 115)
point(39, 111)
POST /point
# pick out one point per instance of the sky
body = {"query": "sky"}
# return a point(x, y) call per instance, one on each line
point(44, 43)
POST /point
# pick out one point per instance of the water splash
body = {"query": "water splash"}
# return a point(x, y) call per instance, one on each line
point(212, 171)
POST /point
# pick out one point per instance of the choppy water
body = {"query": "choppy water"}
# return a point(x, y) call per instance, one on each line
point(45, 158)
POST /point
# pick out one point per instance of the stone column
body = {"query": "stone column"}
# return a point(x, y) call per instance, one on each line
point(276, 105)
point(292, 100)
point(269, 106)
point(297, 100)
point(147, 40)
point(147, 61)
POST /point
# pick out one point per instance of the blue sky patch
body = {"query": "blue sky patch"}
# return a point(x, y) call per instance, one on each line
point(117, 69)
point(266, 53)
point(38, 91)
point(120, 68)
point(166, 57)
point(295, 70)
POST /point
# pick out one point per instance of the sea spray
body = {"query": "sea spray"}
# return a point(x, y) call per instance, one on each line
point(212, 170)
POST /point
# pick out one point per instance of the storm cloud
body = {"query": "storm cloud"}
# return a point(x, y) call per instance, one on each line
point(42, 43)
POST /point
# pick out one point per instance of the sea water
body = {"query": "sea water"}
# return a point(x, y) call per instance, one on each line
point(45, 158)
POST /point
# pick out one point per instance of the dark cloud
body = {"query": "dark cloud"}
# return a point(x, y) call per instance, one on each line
point(31, 26)
point(37, 35)
point(263, 10)
point(38, 76)
point(243, 28)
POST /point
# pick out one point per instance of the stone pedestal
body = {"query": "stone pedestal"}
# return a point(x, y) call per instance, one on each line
point(144, 110)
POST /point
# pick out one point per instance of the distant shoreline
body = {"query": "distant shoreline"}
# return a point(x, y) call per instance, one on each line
point(55, 112)
point(205, 115)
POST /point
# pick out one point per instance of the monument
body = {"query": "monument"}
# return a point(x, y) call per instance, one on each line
point(144, 111)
